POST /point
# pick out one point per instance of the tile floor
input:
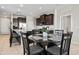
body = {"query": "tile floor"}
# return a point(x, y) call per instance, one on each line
point(6, 50)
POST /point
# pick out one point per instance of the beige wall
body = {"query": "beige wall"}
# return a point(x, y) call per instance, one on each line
point(30, 23)
point(71, 10)
point(4, 25)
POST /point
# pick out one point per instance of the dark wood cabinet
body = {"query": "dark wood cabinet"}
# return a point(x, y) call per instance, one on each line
point(50, 19)
point(42, 19)
point(45, 20)
point(20, 19)
point(38, 22)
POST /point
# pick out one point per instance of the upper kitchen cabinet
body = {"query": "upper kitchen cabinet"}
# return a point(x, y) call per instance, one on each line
point(50, 19)
point(45, 20)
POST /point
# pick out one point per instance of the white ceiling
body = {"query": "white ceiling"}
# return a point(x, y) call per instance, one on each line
point(29, 9)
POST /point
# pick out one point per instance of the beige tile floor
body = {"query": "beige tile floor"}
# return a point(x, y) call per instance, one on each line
point(6, 50)
point(17, 49)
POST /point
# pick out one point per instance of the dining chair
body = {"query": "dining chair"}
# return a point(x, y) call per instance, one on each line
point(59, 32)
point(28, 49)
point(35, 31)
point(40, 31)
point(50, 43)
point(65, 45)
point(50, 31)
point(30, 33)
point(14, 35)
point(58, 36)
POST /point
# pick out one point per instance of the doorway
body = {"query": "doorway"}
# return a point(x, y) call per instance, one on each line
point(66, 23)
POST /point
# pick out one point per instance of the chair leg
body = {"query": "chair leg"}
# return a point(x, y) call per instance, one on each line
point(24, 51)
point(10, 41)
point(68, 53)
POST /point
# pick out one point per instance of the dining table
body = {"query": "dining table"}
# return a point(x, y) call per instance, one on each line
point(39, 38)
point(51, 38)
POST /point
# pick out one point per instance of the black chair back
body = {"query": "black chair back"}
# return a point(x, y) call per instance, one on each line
point(26, 42)
point(59, 32)
point(40, 31)
point(14, 34)
point(35, 31)
point(10, 40)
point(11, 31)
point(50, 31)
point(65, 43)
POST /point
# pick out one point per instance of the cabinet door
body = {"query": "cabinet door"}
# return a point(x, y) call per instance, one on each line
point(49, 19)
point(45, 19)
point(38, 21)
point(42, 19)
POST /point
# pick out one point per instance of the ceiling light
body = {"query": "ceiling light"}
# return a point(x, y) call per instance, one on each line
point(2, 7)
point(21, 5)
point(40, 8)
point(19, 10)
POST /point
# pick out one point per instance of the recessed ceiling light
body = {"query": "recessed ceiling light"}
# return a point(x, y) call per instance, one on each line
point(2, 7)
point(40, 8)
point(21, 5)
point(19, 10)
